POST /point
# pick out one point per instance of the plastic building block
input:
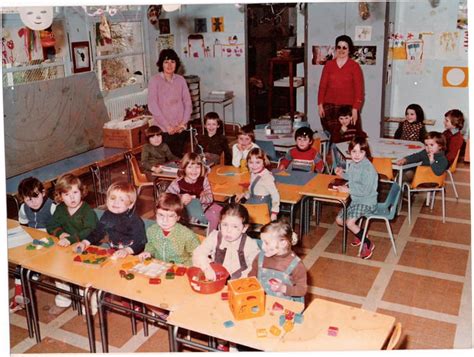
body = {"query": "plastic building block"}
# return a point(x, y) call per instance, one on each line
point(261, 332)
point(333, 331)
point(122, 273)
point(229, 323)
point(129, 276)
point(180, 271)
point(110, 251)
point(127, 266)
point(225, 296)
point(92, 250)
point(288, 325)
point(77, 258)
point(170, 270)
point(169, 275)
point(282, 320)
point(289, 314)
point(246, 298)
point(273, 281)
point(87, 261)
point(275, 330)
point(154, 281)
point(84, 252)
point(277, 307)
point(36, 242)
point(299, 318)
point(101, 252)
point(30, 247)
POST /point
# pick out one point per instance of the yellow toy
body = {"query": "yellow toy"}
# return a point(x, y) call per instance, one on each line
point(246, 298)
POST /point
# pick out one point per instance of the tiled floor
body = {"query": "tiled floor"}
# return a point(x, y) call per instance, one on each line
point(427, 286)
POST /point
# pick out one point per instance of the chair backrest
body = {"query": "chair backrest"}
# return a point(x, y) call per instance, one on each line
point(269, 149)
point(391, 202)
point(258, 213)
point(383, 166)
point(425, 177)
point(395, 337)
point(337, 159)
point(317, 144)
point(454, 164)
point(139, 178)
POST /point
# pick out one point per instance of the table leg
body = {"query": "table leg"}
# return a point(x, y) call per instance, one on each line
point(344, 227)
point(102, 321)
point(88, 292)
point(26, 296)
point(34, 311)
point(172, 334)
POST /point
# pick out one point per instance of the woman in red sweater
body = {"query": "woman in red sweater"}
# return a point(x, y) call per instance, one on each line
point(342, 83)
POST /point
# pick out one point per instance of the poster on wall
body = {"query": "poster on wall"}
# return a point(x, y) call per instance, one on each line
point(322, 54)
point(455, 77)
point(363, 33)
point(196, 46)
point(461, 23)
point(365, 55)
point(397, 50)
point(164, 26)
point(447, 45)
point(218, 24)
point(163, 42)
point(429, 44)
point(200, 25)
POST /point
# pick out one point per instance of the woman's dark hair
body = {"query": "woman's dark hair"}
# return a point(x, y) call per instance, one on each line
point(348, 40)
point(168, 54)
point(420, 114)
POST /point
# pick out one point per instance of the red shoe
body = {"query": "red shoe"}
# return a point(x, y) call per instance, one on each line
point(355, 242)
point(14, 307)
point(367, 251)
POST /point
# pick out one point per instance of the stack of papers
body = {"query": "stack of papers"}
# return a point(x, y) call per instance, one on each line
point(285, 82)
point(171, 167)
point(221, 94)
point(17, 236)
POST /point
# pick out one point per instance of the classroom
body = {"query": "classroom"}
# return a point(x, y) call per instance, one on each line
point(278, 177)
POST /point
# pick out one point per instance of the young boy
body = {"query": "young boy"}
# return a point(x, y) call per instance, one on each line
point(346, 131)
point(155, 152)
point(36, 211)
point(213, 142)
point(245, 143)
point(304, 151)
point(453, 122)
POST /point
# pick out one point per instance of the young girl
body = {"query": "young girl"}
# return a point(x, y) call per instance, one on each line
point(169, 240)
point(73, 220)
point(245, 143)
point(194, 189)
point(453, 122)
point(123, 227)
point(433, 156)
point(262, 183)
point(213, 142)
point(229, 246)
point(362, 185)
point(277, 267)
point(155, 152)
point(412, 128)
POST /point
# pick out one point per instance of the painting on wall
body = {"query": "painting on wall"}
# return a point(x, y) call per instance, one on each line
point(163, 42)
point(200, 25)
point(322, 54)
point(363, 33)
point(218, 24)
point(455, 77)
point(196, 46)
point(462, 15)
point(81, 57)
point(364, 55)
point(164, 26)
point(447, 45)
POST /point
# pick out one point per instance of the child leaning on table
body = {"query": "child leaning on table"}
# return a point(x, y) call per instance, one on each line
point(453, 122)
point(213, 142)
point(245, 143)
point(346, 131)
point(155, 152)
point(362, 186)
point(413, 127)
point(73, 220)
point(120, 223)
point(35, 212)
point(229, 246)
point(280, 271)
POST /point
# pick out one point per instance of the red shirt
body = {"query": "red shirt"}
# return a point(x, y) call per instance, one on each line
point(453, 144)
point(343, 85)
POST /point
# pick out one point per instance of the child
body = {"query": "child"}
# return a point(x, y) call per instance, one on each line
point(262, 183)
point(229, 246)
point(35, 211)
point(362, 185)
point(412, 128)
point(433, 156)
point(214, 143)
point(123, 227)
point(277, 267)
point(346, 131)
point(194, 189)
point(169, 240)
point(72, 221)
point(155, 152)
point(303, 151)
point(453, 122)
point(245, 143)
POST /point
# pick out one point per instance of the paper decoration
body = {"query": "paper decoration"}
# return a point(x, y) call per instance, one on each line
point(196, 46)
point(200, 25)
point(461, 23)
point(447, 45)
point(164, 26)
point(322, 54)
point(397, 49)
point(363, 33)
point(163, 42)
point(218, 24)
point(36, 17)
point(455, 77)
point(365, 55)
point(429, 44)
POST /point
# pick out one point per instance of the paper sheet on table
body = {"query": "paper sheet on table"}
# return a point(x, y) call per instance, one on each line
point(17, 236)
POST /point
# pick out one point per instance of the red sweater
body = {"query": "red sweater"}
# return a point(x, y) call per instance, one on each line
point(453, 144)
point(311, 155)
point(342, 85)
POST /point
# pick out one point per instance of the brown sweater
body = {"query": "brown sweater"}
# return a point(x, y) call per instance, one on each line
point(280, 263)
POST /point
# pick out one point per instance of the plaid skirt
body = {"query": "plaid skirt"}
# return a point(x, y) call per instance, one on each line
point(356, 211)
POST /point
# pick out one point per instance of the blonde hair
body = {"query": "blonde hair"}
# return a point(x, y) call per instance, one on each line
point(282, 230)
point(190, 158)
point(259, 154)
point(65, 183)
point(125, 188)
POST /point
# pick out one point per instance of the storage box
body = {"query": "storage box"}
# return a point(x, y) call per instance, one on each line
point(125, 138)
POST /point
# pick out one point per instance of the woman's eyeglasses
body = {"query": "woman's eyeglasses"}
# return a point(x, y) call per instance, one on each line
point(341, 47)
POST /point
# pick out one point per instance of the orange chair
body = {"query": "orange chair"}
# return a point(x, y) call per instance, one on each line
point(395, 337)
point(258, 213)
point(451, 170)
point(425, 181)
point(139, 179)
point(383, 166)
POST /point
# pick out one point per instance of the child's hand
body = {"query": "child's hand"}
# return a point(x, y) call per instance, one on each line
point(401, 162)
point(121, 253)
point(156, 169)
point(144, 255)
point(431, 156)
point(242, 147)
point(273, 216)
point(343, 188)
point(186, 198)
point(82, 246)
point(209, 273)
point(239, 196)
point(339, 171)
point(63, 242)
point(277, 286)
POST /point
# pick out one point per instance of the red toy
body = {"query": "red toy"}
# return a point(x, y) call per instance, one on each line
point(333, 331)
point(224, 296)
point(181, 271)
point(277, 307)
point(154, 281)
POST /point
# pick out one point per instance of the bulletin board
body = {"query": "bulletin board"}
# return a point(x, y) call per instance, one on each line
point(47, 121)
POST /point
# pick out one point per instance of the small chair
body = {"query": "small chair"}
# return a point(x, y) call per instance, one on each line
point(259, 215)
point(383, 166)
point(395, 337)
point(386, 211)
point(139, 179)
point(451, 170)
point(425, 181)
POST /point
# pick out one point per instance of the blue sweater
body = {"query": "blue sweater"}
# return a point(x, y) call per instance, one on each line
point(439, 165)
point(363, 180)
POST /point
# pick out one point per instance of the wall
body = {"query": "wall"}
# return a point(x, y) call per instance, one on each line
point(426, 88)
point(326, 21)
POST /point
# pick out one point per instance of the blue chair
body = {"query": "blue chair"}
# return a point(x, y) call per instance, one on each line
point(386, 211)
point(269, 149)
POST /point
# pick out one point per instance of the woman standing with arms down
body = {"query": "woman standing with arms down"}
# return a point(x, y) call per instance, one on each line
point(170, 102)
point(342, 83)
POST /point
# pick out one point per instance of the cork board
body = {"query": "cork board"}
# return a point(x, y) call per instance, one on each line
point(47, 121)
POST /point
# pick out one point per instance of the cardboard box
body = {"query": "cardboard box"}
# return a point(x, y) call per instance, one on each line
point(125, 138)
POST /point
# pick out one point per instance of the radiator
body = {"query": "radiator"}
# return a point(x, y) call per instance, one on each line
point(116, 106)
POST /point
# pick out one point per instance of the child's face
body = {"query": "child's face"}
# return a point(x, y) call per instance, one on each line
point(357, 154)
point(410, 116)
point(255, 164)
point(192, 171)
point(211, 126)
point(72, 198)
point(231, 228)
point(156, 140)
point(244, 140)
point(345, 120)
point(118, 202)
point(447, 123)
point(35, 202)
point(166, 219)
point(431, 146)
point(272, 244)
point(303, 142)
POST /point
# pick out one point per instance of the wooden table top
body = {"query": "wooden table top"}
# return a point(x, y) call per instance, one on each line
point(318, 187)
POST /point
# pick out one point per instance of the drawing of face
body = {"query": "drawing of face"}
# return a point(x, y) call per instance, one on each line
point(37, 17)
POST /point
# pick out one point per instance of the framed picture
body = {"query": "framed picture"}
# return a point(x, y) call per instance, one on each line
point(81, 58)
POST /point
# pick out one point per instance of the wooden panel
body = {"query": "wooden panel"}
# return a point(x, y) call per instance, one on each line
point(47, 121)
